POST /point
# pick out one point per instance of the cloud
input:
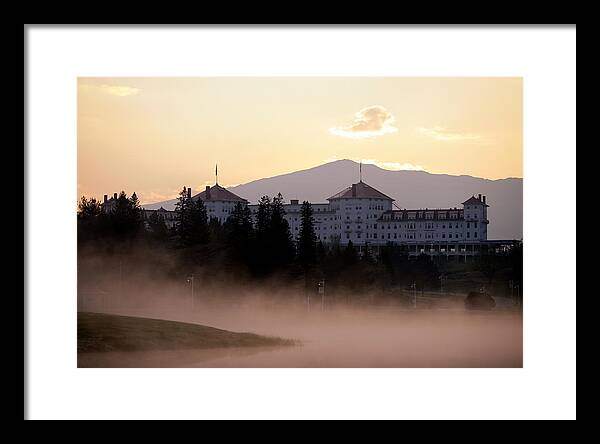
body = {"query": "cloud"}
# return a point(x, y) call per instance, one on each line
point(114, 90)
point(394, 166)
point(442, 134)
point(372, 121)
point(154, 197)
point(120, 90)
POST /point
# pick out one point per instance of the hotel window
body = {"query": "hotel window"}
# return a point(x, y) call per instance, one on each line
point(475, 235)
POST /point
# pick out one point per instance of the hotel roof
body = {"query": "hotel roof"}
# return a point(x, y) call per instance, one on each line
point(360, 190)
point(474, 201)
point(218, 193)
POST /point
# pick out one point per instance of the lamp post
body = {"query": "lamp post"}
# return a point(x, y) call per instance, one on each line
point(190, 280)
point(442, 279)
point(414, 286)
point(321, 287)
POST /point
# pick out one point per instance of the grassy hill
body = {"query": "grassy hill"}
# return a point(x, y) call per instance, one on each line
point(104, 332)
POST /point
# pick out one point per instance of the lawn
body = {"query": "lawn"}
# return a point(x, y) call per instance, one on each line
point(104, 332)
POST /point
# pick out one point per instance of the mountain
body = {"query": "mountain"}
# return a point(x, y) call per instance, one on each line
point(411, 189)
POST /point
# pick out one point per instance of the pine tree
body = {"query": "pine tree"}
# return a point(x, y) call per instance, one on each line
point(191, 220)
point(262, 244)
point(182, 213)
point(198, 233)
point(307, 240)
point(126, 218)
point(135, 211)
point(158, 227)
point(89, 222)
point(263, 220)
point(239, 234)
point(281, 244)
point(216, 229)
point(88, 209)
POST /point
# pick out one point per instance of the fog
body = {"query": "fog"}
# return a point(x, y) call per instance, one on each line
point(345, 330)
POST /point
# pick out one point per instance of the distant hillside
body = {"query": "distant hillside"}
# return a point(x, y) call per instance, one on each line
point(411, 189)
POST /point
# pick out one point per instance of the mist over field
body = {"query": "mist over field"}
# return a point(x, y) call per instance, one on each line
point(226, 283)
point(341, 330)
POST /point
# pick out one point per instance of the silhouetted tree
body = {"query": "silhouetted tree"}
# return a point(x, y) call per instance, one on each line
point(88, 209)
point(281, 244)
point(199, 233)
point(263, 226)
point(191, 220)
point(157, 227)
point(89, 223)
point(182, 215)
point(126, 217)
point(135, 208)
point(307, 240)
point(239, 234)
point(216, 230)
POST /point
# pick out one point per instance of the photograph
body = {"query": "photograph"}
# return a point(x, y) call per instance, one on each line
point(299, 222)
point(304, 222)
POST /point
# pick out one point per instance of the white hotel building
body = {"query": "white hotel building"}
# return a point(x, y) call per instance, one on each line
point(369, 219)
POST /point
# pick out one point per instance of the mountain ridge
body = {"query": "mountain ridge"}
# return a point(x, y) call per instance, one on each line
point(410, 189)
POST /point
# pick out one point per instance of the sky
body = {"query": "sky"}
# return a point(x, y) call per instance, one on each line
point(155, 135)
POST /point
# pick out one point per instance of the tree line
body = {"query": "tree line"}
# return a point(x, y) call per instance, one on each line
point(258, 246)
